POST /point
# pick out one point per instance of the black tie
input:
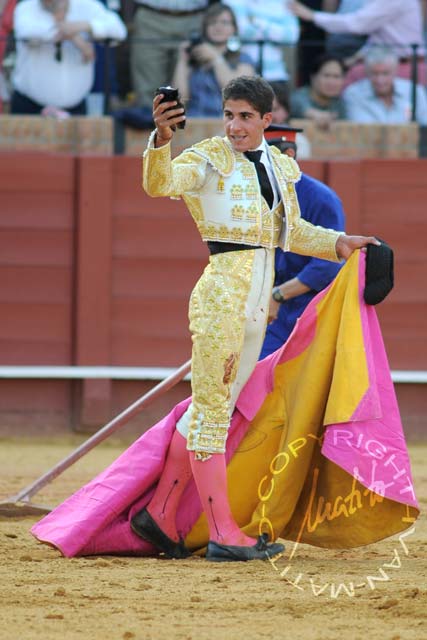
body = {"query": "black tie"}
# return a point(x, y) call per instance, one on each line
point(263, 179)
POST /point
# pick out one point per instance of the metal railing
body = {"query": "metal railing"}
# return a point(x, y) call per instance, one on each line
point(109, 45)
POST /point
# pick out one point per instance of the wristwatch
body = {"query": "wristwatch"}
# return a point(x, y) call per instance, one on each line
point(277, 295)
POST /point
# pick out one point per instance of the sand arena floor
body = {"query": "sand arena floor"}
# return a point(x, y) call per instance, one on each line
point(45, 596)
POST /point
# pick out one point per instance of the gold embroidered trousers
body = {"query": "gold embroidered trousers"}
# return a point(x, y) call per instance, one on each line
point(228, 316)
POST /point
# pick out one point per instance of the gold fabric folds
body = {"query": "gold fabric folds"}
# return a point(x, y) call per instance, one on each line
point(279, 481)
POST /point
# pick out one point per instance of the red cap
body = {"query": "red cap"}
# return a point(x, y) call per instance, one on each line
point(280, 133)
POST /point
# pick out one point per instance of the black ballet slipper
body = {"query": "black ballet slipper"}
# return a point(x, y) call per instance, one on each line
point(261, 550)
point(146, 528)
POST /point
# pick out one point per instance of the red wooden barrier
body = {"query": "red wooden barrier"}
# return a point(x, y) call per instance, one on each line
point(388, 198)
point(37, 235)
point(93, 272)
point(93, 290)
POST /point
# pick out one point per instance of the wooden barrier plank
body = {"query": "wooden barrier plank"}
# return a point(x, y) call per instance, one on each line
point(44, 321)
point(36, 247)
point(396, 172)
point(94, 261)
point(130, 200)
point(148, 237)
point(35, 284)
point(93, 303)
point(345, 178)
point(32, 350)
point(407, 279)
point(28, 171)
point(156, 317)
point(36, 258)
point(393, 208)
point(395, 318)
point(166, 351)
point(129, 197)
point(52, 397)
point(149, 276)
point(314, 168)
point(36, 210)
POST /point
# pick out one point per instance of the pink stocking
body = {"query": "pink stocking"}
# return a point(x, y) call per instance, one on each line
point(175, 476)
point(211, 480)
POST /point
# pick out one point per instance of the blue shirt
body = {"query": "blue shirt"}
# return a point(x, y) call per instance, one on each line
point(320, 206)
point(205, 92)
point(301, 100)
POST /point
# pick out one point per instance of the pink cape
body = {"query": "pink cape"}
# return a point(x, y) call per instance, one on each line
point(95, 520)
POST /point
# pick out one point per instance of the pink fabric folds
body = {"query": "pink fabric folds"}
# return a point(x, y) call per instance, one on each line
point(374, 450)
point(371, 447)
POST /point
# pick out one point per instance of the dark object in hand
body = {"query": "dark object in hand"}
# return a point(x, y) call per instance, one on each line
point(58, 51)
point(170, 95)
point(379, 273)
point(194, 40)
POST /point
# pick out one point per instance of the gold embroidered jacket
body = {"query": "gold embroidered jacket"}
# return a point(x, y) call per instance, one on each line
point(221, 190)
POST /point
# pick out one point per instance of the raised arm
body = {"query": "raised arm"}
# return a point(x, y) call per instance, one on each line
point(163, 176)
point(181, 77)
point(365, 20)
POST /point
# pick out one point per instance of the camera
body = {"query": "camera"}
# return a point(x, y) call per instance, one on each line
point(195, 38)
point(169, 95)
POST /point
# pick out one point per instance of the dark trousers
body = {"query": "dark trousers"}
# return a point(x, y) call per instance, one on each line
point(22, 105)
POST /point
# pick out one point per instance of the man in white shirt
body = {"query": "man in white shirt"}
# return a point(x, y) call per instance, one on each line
point(383, 98)
point(54, 54)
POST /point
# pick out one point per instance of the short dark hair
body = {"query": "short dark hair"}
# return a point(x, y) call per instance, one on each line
point(281, 91)
point(215, 10)
point(253, 89)
point(323, 59)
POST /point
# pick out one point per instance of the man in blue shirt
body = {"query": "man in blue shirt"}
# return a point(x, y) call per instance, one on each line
point(299, 278)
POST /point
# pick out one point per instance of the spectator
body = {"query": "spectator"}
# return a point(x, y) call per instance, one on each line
point(344, 45)
point(7, 8)
point(157, 27)
point(268, 20)
point(54, 56)
point(424, 15)
point(382, 97)
point(321, 101)
point(281, 102)
point(281, 112)
point(386, 22)
point(105, 80)
point(311, 43)
point(204, 68)
point(125, 89)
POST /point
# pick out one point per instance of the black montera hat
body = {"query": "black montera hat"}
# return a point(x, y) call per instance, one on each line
point(379, 273)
